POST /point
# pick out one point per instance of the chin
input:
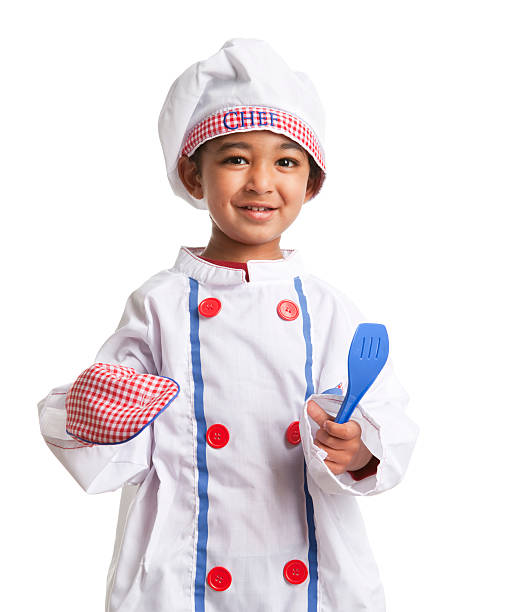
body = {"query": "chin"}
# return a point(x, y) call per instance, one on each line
point(257, 241)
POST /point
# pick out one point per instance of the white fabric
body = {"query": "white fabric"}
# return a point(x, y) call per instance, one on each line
point(244, 71)
point(253, 370)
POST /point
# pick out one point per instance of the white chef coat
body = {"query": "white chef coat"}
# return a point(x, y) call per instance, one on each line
point(257, 502)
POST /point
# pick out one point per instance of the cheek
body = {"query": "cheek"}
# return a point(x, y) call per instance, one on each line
point(222, 186)
point(297, 188)
point(295, 195)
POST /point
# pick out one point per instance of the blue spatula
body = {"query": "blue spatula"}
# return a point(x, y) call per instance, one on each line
point(368, 353)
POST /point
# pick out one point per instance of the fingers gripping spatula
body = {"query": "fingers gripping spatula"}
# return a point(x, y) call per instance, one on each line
point(368, 353)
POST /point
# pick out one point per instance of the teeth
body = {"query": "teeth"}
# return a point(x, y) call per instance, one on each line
point(256, 208)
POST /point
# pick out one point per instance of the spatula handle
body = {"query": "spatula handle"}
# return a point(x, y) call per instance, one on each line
point(346, 410)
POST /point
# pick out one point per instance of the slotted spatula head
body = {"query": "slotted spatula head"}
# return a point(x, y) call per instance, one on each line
point(368, 353)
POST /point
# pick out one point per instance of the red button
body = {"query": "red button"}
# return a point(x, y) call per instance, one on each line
point(219, 578)
point(217, 435)
point(210, 307)
point(293, 433)
point(295, 571)
point(287, 310)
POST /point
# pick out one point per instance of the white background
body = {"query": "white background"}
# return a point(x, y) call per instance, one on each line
point(412, 224)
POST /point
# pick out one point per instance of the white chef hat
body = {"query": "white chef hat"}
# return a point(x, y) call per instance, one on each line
point(244, 86)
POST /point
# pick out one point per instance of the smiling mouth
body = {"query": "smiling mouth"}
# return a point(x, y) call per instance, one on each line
point(257, 208)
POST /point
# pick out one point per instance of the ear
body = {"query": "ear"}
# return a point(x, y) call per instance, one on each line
point(190, 177)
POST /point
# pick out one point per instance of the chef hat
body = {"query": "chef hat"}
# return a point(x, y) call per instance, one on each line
point(244, 86)
point(110, 404)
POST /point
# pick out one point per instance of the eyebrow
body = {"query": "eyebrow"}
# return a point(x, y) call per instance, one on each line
point(233, 145)
point(245, 145)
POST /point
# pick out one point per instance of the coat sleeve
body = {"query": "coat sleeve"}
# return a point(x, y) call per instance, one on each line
point(387, 431)
point(96, 467)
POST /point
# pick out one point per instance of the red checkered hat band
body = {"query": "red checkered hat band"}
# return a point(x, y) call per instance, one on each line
point(248, 118)
point(109, 404)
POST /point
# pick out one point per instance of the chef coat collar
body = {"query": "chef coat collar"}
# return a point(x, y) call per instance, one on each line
point(189, 262)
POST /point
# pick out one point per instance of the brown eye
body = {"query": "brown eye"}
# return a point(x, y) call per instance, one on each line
point(235, 160)
point(286, 162)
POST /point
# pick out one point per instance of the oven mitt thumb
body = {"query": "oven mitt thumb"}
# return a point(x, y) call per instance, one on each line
point(110, 404)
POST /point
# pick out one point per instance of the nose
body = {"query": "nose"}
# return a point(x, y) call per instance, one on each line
point(259, 179)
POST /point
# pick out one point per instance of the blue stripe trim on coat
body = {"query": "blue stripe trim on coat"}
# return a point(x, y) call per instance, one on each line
point(312, 593)
point(307, 335)
point(198, 402)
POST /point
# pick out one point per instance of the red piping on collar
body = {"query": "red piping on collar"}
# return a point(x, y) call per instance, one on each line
point(238, 265)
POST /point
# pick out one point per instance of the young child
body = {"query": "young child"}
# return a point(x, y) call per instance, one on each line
point(241, 495)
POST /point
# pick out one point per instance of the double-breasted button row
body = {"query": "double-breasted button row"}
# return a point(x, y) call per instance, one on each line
point(217, 435)
point(286, 309)
point(219, 578)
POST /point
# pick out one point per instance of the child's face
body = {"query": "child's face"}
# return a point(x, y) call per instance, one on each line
point(258, 169)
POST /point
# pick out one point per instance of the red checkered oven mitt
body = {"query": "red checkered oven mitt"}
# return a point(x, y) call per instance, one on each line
point(110, 404)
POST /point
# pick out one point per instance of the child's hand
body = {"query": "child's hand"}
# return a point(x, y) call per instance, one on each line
point(341, 441)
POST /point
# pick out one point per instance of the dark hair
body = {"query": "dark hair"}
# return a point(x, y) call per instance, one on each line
point(315, 172)
point(195, 157)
